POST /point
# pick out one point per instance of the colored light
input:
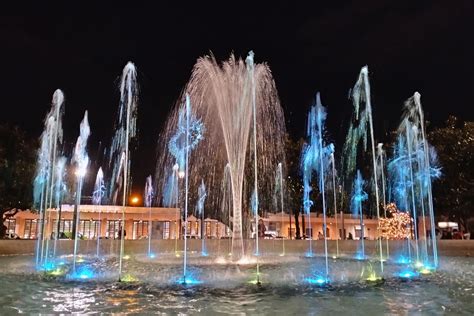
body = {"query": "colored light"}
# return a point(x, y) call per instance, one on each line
point(189, 281)
point(151, 255)
point(126, 257)
point(56, 272)
point(418, 264)
point(309, 254)
point(317, 281)
point(128, 278)
point(49, 266)
point(82, 273)
point(373, 278)
point(403, 260)
point(407, 274)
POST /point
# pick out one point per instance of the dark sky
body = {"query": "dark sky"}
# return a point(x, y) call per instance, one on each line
point(424, 46)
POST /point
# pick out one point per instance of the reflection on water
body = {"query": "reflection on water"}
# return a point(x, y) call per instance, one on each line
point(449, 290)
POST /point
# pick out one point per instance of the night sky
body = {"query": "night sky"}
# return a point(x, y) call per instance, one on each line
point(424, 46)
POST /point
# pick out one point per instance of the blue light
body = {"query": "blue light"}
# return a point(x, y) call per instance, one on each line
point(317, 281)
point(407, 274)
point(204, 253)
point(189, 280)
point(403, 260)
point(309, 254)
point(359, 257)
point(151, 255)
point(82, 273)
point(48, 266)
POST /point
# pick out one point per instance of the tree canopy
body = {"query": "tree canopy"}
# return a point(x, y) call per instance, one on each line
point(454, 192)
point(17, 164)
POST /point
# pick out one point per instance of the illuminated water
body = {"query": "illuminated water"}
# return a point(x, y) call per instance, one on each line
point(225, 289)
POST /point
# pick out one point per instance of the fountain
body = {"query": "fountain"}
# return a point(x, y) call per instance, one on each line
point(51, 138)
point(97, 195)
point(148, 198)
point(81, 159)
point(226, 98)
point(223, 151)
point(125, 132)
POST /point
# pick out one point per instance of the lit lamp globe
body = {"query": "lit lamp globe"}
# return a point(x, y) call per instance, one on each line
point(134, 200)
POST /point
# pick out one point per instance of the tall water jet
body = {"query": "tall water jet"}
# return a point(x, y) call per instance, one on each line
point(422, 162)
point(81, 159)
point(381, 173)
point(148, 199)
point(358, 196)
point(333, 165)
point(51, 138)
point(60, 189)
point(279, 190)
point(225, 98)
point(200, 208)
point(226, 204)
point(125, 132)
point(97, 195)
point(362, 120)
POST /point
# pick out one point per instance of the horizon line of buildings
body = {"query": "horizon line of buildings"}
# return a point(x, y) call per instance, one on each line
point(105, 221)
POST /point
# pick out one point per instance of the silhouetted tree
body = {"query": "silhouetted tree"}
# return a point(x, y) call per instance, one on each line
point(17, 164)
point(454, 192)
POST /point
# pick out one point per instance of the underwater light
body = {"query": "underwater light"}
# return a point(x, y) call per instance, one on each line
point(309, 254)
point(151, 255)
point(426, 270)
point(403, 260)
point(419, 264)
point(188, 281)
point(56, 272)
point(128, 278)
point(204, 254)
point(334, 257)
point(373, 277)
point(360, 257)
point(317, 280)
point(282, 254)
point(126, 257)
point(407, 274)
point(48, 266)
point(82, 273)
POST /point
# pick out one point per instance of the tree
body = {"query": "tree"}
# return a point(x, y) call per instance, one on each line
point(17, 164)
point(294, 182)
point(454, 192)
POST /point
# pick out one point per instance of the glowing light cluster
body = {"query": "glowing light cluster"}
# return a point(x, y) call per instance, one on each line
point(397, 224)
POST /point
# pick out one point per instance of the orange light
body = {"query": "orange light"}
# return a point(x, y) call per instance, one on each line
point(135, 200)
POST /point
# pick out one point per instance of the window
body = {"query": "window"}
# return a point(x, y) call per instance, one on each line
point(32, 227)
point(358, 231)
point(10, 223)
point(166, 230)
point(140, 229)
point(65, 226)
point(161, 230)
point(88, 229)
point(208, 230)
point(113, 229)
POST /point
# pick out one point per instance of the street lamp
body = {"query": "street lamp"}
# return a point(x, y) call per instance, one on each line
point(134, 200)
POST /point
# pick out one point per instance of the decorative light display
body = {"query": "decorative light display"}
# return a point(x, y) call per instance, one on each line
point(397, 223)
